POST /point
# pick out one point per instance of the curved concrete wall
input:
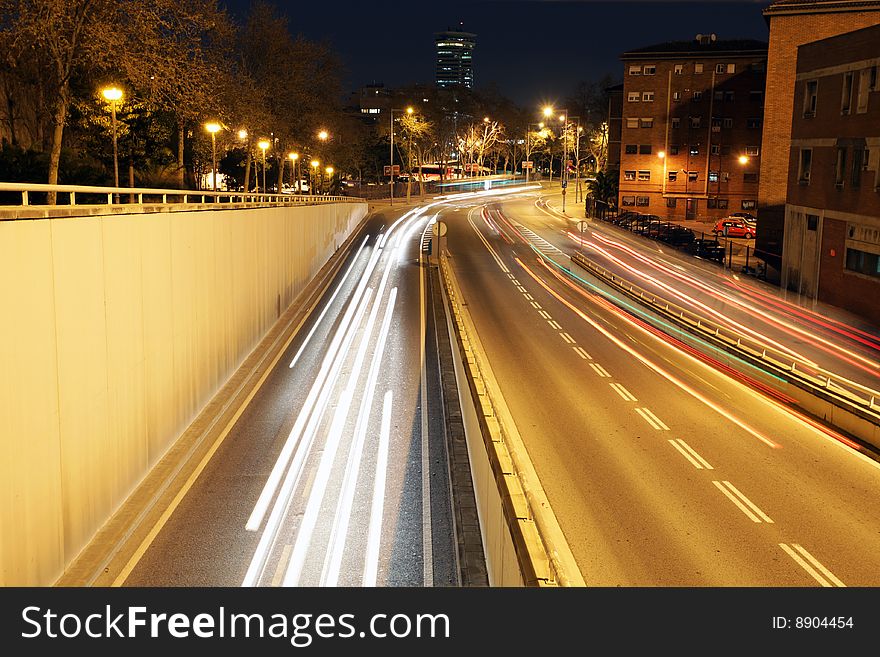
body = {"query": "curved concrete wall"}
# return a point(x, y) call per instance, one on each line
point(116, 331)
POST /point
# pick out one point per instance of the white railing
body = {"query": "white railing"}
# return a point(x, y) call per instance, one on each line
point(119, 197)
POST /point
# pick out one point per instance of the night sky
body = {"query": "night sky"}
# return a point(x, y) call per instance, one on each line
point(534, 51)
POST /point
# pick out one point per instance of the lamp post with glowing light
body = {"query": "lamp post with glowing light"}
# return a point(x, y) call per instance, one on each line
point(315, 164)
point(329, 172)
point(563, 176)
point(213, 128)
point(263, 144)
point(114, 94)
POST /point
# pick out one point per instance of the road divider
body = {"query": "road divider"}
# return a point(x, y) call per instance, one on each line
point(523, 541)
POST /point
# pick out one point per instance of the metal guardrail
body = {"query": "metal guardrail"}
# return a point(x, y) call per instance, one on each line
point(858, 395)
point(543, 553)
point(116, 197)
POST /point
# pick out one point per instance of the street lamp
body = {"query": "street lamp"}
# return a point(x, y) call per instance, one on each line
point(315, 165)
point(548, 112)
point(743, 159)
point(213, 128)
point(263, 144)
point(114, 94)
point(329, 171)
point(294, 170)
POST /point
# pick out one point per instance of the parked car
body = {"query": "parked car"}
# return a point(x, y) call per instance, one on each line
point(622, 217)
point(677, 235)
point(734, 228)
point(707, 248)
point(747, 217)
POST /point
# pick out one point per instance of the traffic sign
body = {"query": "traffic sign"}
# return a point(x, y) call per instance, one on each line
point(439, 228)
point(582, 226)
point(395, 169)
point(564, 184)
point(528, 164)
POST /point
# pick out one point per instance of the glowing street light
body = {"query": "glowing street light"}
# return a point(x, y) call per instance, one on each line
point(329, 171)
point(213, 128)
point(294, 164)
point(743, 159)
point(113, 95)
point(323, 135)
point(242, 134)
point(263, 145)
point(548, 112)
point(315, 164)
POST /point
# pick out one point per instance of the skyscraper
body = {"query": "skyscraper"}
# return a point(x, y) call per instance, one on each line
point(455, 65)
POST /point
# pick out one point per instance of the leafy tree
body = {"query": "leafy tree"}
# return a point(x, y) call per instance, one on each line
point(603, 189)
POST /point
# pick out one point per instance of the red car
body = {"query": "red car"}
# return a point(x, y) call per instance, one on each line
point(734, 228)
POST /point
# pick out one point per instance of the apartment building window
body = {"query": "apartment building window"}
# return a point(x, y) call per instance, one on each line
point(731, 68)
point(694, 149)
point(863, 262)
point(648, 96)
point(846, 93)
point(804, 165)
point(627, 201)
point(719, 68)
point(864, 90)
point(753, 124)
point(718, 95)
point(872, 84)
point(715, 149)
point(698, 67)
point(698, 96)
point(632, 123)
point(648, 122)
point(725, 176)
point(727, 123)
point(725, 150)
point(631, 149)
point(678, 69)
point(750, 177)
point(858, 165)
point(673, 149)
point(629, 175)
point(645, 149)
point(635, 70)
point(670, 202)
point(753, 151)
point(649, 69)
point(676, 96)
point(758, 67)
point(716, 124)
point(749, 204)
point(676, 122)
point(811, 90)
point(633, 96)
point(693, 175)
point(717, 203)
point(729, 96)
point(695, 121)
point(644, 175)
point(642, 201)
point(713, 176)
point(756, 96)
point(812, 222)
point(673, 176)
point(840, 167)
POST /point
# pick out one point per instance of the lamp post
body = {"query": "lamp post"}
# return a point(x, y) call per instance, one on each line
point(315, 165)
point(213, 128)
point(329, 172)
point(263, 144)
point(114, 94)
point(294, 171)
point(563, 176)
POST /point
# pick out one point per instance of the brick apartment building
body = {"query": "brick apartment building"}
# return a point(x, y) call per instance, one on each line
point(691, 128)
point(615, 125)
point(793, 23)
point(832, 215)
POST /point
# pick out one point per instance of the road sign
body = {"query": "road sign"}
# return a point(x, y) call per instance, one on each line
point(395, 169)
point(528, 164)
point(439, 228)
point(582, 226)
point(564, 185)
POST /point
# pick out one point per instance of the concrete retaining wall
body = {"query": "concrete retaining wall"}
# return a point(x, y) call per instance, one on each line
point(116, 331)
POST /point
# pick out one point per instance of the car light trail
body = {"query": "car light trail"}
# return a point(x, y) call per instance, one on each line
point(374, 533)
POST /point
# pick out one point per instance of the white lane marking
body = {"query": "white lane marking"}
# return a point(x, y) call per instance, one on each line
point(328, 304)
point(282, 562)
point(536, 305)
point(745, 504)
point(601, 371)
point(515, 282)
point(374, 532)
point(427, 527)
point(554, 325)
point(529, 297)
point(568, 339)
point(342, 518)
point(625, 394)
point(495, 256)
point(831, 580)
point(331, 444)
point(521, 289)
point(545, 314)
point(318, 394)
point(510, 276)
point(690, 454)
point(583, 354)
point(652, 419)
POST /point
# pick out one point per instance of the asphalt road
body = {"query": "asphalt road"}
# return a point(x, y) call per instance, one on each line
point(662, 469)
point(335, 473)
